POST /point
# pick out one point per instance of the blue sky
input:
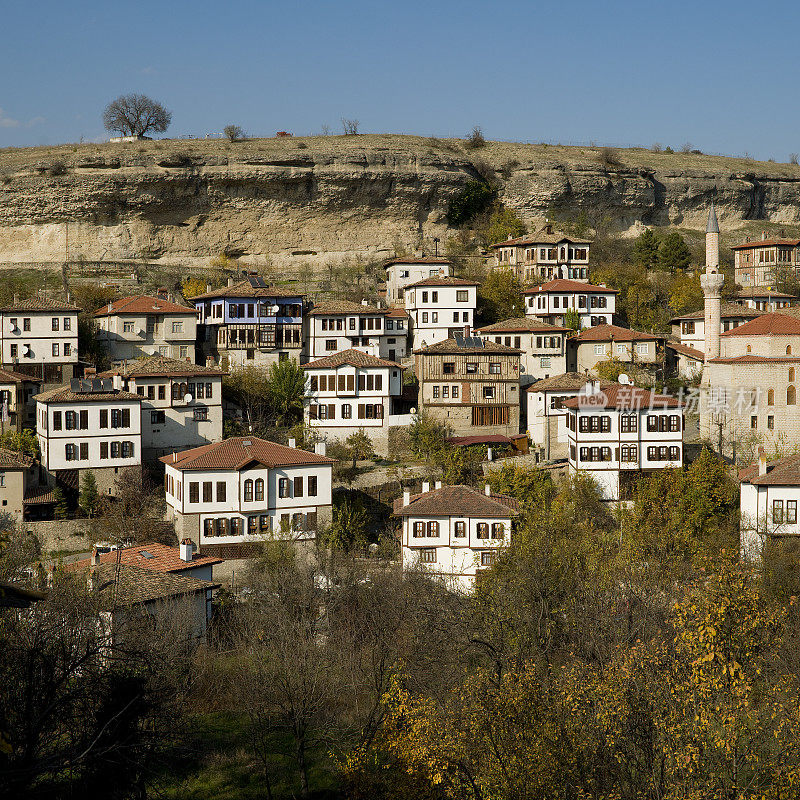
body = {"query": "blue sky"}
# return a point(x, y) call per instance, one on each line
point(604, 71)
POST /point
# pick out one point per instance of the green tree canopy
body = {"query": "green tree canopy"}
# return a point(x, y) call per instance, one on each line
point(645, 251)
point(500, 297)
point(673, 254)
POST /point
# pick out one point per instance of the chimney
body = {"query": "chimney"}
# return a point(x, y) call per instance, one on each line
point(93, 559)
point(208, 288)
point(437, 485)
point(186, 550)
point(230, 280)
point(762, 462)
point(763, 236)
point(321, 448)
point(548, 228)
point(466, 331)
point(487, 490)
point(406, 498)
point(174, 457)
point(69, 297)
point(364, 303)
point(16, 298)
point(426, 487)
point(292, 442)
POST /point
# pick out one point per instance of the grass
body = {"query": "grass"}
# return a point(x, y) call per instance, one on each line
point(219, 766)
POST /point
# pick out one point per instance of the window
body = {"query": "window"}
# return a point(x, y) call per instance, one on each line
point(488, 557)
point(419, 530)
point(103, 417)
point(298, 487)
point(115, 449)
point(56, 420)
point(428, 555)
point(489, 392)
point(460, 531)
point(104, 450)
point(498, 530)
point(448, 367)
point(433, 528)
point(425, 316)
point(490, 415)
point(471, 369)
point(14, 349)
point(127, 327)
point(770, 397)
point(770, 422)
point(482, 530)
point(628, 424)
point(494, 369)
point(777, 511)
point(330, 344)
point(67, 324)
point(248, 491)
point(791, 512)
point(791, 396)
point(207, 492)
point(222, 491)
point(599, 349)
point(652, 423)
point(69, 452)
point(127, 449)
point(201, 414)
point(434, 316)
point(55, 323)
point(177, 327)
point(70, 420)
point(259, 490)
point(83, 420)
point(347, 411)
point(312, 485)
point(194, 492)
point(641, 349)
point(435, 392)
point(445, 392)
point(283, 487)
point(26, 324)
point(454, 391)
point(183, 351)
point(162, 392)
point(56, 349)
point(754, 423)
point(120, 418)
point(545, 362)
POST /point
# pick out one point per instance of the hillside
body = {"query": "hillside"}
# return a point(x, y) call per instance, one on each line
point(312, 200)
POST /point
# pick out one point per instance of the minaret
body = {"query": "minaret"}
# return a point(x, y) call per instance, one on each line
point(711, 283)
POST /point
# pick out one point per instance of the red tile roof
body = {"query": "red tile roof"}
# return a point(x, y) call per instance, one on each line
point(605, 333)
point(328, 307)
point(63, 394)
point(567, 382)
point(39, 304)
point(164, 559)
point(784, 472)
point(9, 376)
point(452, 346)
point(135, 585)
point(565, 285)
point(763, 291)
point(443, 280)
point(237, 452)
point(767, 325)
point(420, 260)
point(355, 358)
point(685, 350)
point(541, 236)
point(11, 459)
point(729, 310)
point(397, 312)
point(766, 243)
point(521, 325)
point(245, 289)
point(143, 304)
point(157, 366)
point(755, 359)
point(622, 397)
point(457, 501)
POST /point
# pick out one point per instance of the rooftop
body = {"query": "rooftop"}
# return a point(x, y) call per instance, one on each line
point(326, 307)
point(457, 501)
point(685, 350)
point(150, 555)
point(11, 459)
point(64, 394)
point(39, 304)
point(521, 324)
point(766, 243)
point(565, 285)
point(606, 333)
point(419, 260)
point(155, 366)
point(545, 235)
point(784, 472)
point(729, 311)
point(764, 291)
point(246, 289)
point(442, 280)
point(9, 376)
point(773, 324)
point(471, 345)
point(143, 304)
point(355, 358)
point(567, 382)
point(237, 452)
point(622, 397)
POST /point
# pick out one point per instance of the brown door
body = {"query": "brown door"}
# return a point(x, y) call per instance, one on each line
point(465, 393)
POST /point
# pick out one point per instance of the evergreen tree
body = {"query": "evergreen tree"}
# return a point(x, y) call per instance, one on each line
point(61, 509)
point(89, 498)
point(500, 297)
point(673, 254)
point(645, 251)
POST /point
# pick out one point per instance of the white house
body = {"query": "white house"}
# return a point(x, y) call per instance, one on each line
point(89, 425)
point(547, 416)
point(402, 272)
point(351, 391)
point(40, 338)
point(618, 432)
point(543, 347)
point(595, 305)
point(181, 401)
point(764, 299)
point(454, 531)
point(440, 308)
point(604, 342)
point(768, 494)
point(336, 325)
point(229, 496)
point(137, 326)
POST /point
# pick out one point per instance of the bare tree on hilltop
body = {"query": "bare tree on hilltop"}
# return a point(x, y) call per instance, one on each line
point(135, 115)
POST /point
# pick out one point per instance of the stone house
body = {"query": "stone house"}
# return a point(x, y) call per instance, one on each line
point(604, 342)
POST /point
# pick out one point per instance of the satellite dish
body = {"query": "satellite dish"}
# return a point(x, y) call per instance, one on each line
point(187, 398)
point(275, 309)
point(413, 410)
point(25, 350)
point(623, 379)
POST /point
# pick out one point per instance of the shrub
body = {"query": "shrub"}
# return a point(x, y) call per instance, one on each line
point(57, 168)
point(302, 146)
point(686, 147)
point(476, 196)
point(349, 126)
point(793, 158)
point(608, 157)
point(657, 147)
point(508, 167)
point(486, 171)
point(233, 132)
point(668, 149)
point(475, 140)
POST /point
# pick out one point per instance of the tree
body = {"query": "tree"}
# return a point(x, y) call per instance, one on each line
point(475, 140)
point(136, 115)
point(476, 196)
point(529, 485)
point(500, 297)
point(572, 319)
point(349, 526)
point(24, 441)
point(685, 294)
point(503, 223)
point(349, 126)
point(673, 254)
point(192, 286)
point(645, 251)
point(360, 446)
point(286, 382)
point(426, 435)
point(89, 499)
point(248, 388)
point(61, 507)
point(135, 513)
point(233, 132)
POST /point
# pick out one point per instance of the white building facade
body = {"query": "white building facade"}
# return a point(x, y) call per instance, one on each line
point(550, 302)
point(439, 308)
point(454, 532)
point(402, 272)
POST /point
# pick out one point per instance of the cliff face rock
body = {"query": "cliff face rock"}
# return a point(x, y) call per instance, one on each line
point(287, 201)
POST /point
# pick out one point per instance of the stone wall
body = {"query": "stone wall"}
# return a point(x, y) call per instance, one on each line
point(69, 535)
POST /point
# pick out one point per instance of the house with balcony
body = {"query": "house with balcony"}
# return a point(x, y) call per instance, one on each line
point(338, 325)
point(765, 299)
point(604, 342)
point(181, 402)
point(544, 256)
point(759, 263)
point(553, 301)
point(471, 385)
point(140, 325)
point(619, 432)
point(249, 323)
point(352, 391)
point(543, 347)
point(440, 308)
point(454, 532)
point(40, 339)
point(230, 496)
point(402, 272)
point(89, 425)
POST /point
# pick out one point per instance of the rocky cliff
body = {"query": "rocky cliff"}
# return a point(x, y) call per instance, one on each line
point(287, 201)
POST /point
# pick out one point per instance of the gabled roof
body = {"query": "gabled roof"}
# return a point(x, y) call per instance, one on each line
point(605, 333)
point(355, 358)
point(143, 304)
point(567, 382)
point(623, 397)
point(763, 291)
point(442, 280)
point(565, 285)
point(150, 555)
point(157, 366)
point(333, 307)
point(246, 289)
point(784, 472)
point(9, 376)
point(457, 501)
point(237, 452)
point(766, 243)
point(521, 325)
point(774, 324)
point(397, 312)
point(729, 311)
point(542, 236)
point(419, 260)
point(63, 394)
point(452, 346)
point(11, 459)
point(685, 350)
point(39, 304)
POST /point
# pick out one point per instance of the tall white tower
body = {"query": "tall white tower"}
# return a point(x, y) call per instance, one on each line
point(711, 282)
